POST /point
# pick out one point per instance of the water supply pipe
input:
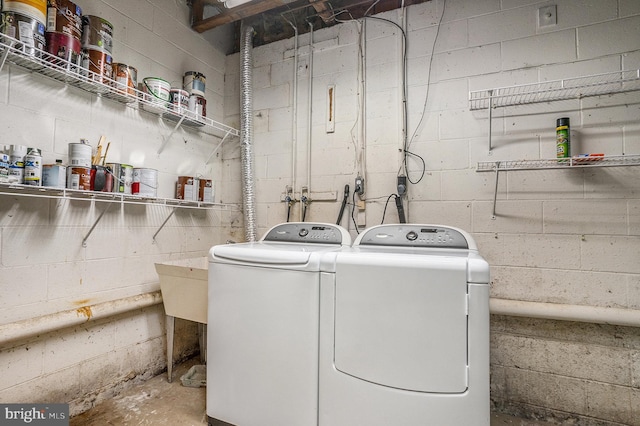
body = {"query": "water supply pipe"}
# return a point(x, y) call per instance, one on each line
point(31, 327)
point(564, 312)
point(246, 133)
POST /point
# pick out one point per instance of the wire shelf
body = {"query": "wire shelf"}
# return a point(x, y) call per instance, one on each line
point(13, 189)
point(46, 64)
point(559, 163)
point(556, 90)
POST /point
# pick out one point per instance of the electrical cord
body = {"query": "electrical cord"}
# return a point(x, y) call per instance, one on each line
point(353, 209)
point(384, 212)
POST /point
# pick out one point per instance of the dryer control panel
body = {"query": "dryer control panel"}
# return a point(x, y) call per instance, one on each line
point(414, 235)
point(308, 232)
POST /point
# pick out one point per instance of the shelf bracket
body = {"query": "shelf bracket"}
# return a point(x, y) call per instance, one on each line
point(217, 147)
point(5, 54)
point(163, 224)
point(166, 139)
point(495, 192)
point(86, 237)
point(490, 118)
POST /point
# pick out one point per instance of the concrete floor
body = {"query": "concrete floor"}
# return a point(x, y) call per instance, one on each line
point(158, 402)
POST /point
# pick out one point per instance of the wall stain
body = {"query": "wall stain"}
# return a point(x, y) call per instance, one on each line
point(82, 302)
point(86, 311)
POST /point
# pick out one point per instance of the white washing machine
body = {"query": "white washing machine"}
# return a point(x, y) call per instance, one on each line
point(263, 325)
point(404, 330)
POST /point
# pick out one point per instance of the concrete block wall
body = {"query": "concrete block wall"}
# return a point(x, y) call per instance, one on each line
point(559, 236)
point(44, 268)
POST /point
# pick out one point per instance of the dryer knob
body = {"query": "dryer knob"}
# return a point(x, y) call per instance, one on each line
point(303, 232)
point(412, 236)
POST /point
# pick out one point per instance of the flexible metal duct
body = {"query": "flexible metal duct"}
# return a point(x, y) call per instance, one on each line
point(246, 132)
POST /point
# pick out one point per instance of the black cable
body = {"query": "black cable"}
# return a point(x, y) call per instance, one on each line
point(353, 201)
point(304, 212)
point(384, 212)
point(424, 167)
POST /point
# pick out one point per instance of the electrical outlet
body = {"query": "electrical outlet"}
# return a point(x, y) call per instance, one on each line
point(402, 185)
point(359, 188)
point(547, 16)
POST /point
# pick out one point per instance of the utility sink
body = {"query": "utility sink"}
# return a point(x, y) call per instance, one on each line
point(184, 288)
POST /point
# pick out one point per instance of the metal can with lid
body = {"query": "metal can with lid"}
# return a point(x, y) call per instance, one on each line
point(563, 138)
point(33, 167)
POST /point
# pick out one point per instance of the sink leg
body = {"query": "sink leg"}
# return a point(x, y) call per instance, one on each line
point(170, 329)
point(202, 331)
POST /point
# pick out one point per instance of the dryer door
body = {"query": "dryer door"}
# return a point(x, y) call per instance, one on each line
point(401, 320)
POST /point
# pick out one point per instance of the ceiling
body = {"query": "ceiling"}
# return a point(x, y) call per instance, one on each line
point(274, 20)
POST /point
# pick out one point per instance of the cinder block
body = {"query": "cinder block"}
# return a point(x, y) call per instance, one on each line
point(545, 185)
point(467, 62)
point(610, 402)
point(535, 250)
point(460, 124)
point(461, 9)
point(604, 217)
point(62, 348)
point(20, 364)
point(452, 36)
point(511, 216)
point(465, 185)
point(383, 77)
point(504, 25)
point(271, 97)
point(610, 253)
point(607, 38)
point(613, 183)
point(455, 213)
point(547, 390)
point(539, 50)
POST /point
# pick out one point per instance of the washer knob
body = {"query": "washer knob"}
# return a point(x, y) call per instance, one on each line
point(303, 232)
point(412, 236)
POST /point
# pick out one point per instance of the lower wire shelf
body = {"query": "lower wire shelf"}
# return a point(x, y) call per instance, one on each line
point(581, 162)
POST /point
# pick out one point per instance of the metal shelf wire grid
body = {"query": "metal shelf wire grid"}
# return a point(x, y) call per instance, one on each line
point(556, 90)
point(46, 64)
point(559, 163)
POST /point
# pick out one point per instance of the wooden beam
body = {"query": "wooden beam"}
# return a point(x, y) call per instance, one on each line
point(324, 10)
point(246, 10)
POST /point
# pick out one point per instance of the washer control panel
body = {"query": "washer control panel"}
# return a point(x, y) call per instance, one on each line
point(408, 235)
point(307, 232)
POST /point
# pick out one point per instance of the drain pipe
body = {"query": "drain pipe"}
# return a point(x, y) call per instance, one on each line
point(31, 327)
point(246, 133)
point(309, 121)
point(563, 312)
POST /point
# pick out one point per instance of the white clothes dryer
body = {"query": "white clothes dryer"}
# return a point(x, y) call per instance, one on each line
point(404, 330)
point(263, 325)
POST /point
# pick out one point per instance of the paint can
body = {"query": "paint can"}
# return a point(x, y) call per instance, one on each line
point(4, 168)
point(33, 167)
point(122, 177)
point(16, 163)
point(145, 182)
point(100, 180)
point(198, 104)
point(186, 188)
point(194, 83)
point(65, 47)
point(156, 93)
point(29, 31)
point(54, 175)
point(126, 78)
point(98, 63)
point(97, 34)
point(64, 29)
point(179, 100)
point(79, 178)
point(79, 155)
point(36, 9)
point(205, 194)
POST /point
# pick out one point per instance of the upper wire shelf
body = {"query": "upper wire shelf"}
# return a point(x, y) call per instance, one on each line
point(560, 163)
point(44, 63)
point(556, 90)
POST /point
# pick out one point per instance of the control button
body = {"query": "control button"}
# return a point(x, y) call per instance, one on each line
point(412, 236)
point(303, 232)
